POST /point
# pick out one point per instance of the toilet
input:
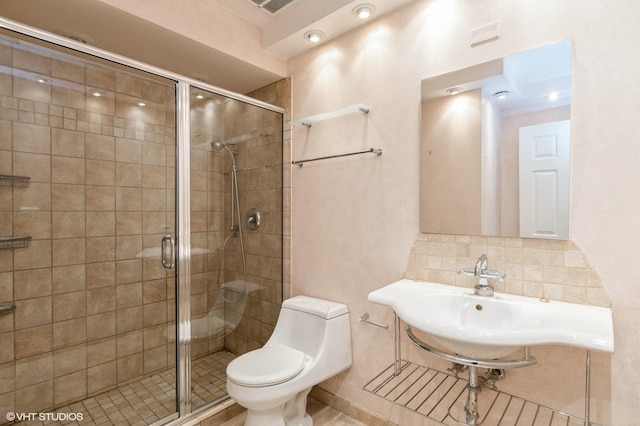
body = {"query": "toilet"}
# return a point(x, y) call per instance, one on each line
point(310, 343)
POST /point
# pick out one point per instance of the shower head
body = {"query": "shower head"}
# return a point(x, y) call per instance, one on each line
point(218, 146)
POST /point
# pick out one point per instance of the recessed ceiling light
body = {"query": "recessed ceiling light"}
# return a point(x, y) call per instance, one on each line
point(199, 96)
point(503, 94)
point(141, 104)
point(200, 77)
point(364, 11)
point(553, 96)
point(314, 36)
point(97, 94)
point(42, 80)
point(454, 90)
point(74, 35)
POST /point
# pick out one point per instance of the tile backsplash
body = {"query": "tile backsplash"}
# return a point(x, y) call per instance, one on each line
point(556, 269)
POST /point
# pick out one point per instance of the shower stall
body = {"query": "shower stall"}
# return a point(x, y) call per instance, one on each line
point(141, 234)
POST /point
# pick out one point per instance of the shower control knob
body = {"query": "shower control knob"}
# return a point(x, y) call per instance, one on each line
point(254, 217)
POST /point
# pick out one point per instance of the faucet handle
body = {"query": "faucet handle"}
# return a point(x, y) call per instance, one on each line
point(468, 271)
point(491, 275)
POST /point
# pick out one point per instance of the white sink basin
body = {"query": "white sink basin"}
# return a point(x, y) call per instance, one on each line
point(493, 327)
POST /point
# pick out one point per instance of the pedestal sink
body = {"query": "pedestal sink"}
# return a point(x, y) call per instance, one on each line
point(482, 327)
point(479, 330)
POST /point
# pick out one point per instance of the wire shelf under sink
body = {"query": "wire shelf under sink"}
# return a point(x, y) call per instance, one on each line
point(441, 396)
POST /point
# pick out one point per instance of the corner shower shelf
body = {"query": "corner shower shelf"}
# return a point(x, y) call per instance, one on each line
point(15, 242)
point(7, 309)
point(7, 180)
point(308, 121)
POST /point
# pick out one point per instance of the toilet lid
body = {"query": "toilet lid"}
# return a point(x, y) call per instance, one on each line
point(266, 366)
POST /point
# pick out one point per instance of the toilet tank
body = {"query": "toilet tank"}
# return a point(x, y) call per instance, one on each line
point(306, 323)
point(322, 308)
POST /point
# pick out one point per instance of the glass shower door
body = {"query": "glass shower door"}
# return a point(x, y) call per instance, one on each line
point(87, 158)
point(91, 149)
point(236, 234)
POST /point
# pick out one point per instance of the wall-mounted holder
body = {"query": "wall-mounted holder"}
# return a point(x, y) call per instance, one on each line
point(308, 121)
point(15, 242)
point(376, 151)
point(7, 180)
point(365, 318)
point(397, 356)
point(7, 309)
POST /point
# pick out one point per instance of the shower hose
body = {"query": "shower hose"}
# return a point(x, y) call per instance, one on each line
point(236, 233)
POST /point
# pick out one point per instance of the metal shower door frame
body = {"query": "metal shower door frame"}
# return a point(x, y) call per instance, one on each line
point(183, 188)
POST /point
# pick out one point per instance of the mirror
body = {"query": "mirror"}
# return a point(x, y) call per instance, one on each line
point(495, 147)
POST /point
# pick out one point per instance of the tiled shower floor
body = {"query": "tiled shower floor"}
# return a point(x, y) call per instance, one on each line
point(152, 398)
point(442, 397)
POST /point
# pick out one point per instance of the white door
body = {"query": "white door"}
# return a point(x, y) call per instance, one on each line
point(544, 180)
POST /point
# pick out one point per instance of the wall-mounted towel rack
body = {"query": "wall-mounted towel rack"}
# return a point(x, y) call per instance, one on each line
point(365, 318)
point(376, 151)
point(308, 121)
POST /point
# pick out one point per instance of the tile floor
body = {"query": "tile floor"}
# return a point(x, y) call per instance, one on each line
point(434, 394)
point(152, 398)
point(322, 415)
point(149, 399)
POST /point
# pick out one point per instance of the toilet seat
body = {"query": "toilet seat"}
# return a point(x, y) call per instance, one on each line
point(266, 366)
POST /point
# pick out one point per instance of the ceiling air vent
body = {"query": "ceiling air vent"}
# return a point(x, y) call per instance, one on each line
point(272, 6)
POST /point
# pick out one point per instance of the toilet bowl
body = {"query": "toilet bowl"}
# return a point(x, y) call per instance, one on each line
point(310, 343)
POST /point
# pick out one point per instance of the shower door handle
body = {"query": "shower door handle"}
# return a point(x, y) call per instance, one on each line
point(168, 240)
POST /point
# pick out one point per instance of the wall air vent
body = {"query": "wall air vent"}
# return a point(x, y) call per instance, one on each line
point(272, 6)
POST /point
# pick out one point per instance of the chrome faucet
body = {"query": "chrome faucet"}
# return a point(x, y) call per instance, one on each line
point(480, 271)
point(481, 264)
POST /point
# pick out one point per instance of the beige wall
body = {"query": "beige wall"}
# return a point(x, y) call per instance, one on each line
point(491, 167)
point(354, 221)
point(451, 177)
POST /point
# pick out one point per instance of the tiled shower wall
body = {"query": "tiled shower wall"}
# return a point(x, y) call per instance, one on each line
point(94, 306)
point(261, 187)
point(555, 269)
point(257, 136)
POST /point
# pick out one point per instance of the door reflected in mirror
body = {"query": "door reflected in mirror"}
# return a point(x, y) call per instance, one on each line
point(495, 147)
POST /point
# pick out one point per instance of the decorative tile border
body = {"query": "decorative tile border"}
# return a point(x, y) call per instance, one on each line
point(556, 269)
